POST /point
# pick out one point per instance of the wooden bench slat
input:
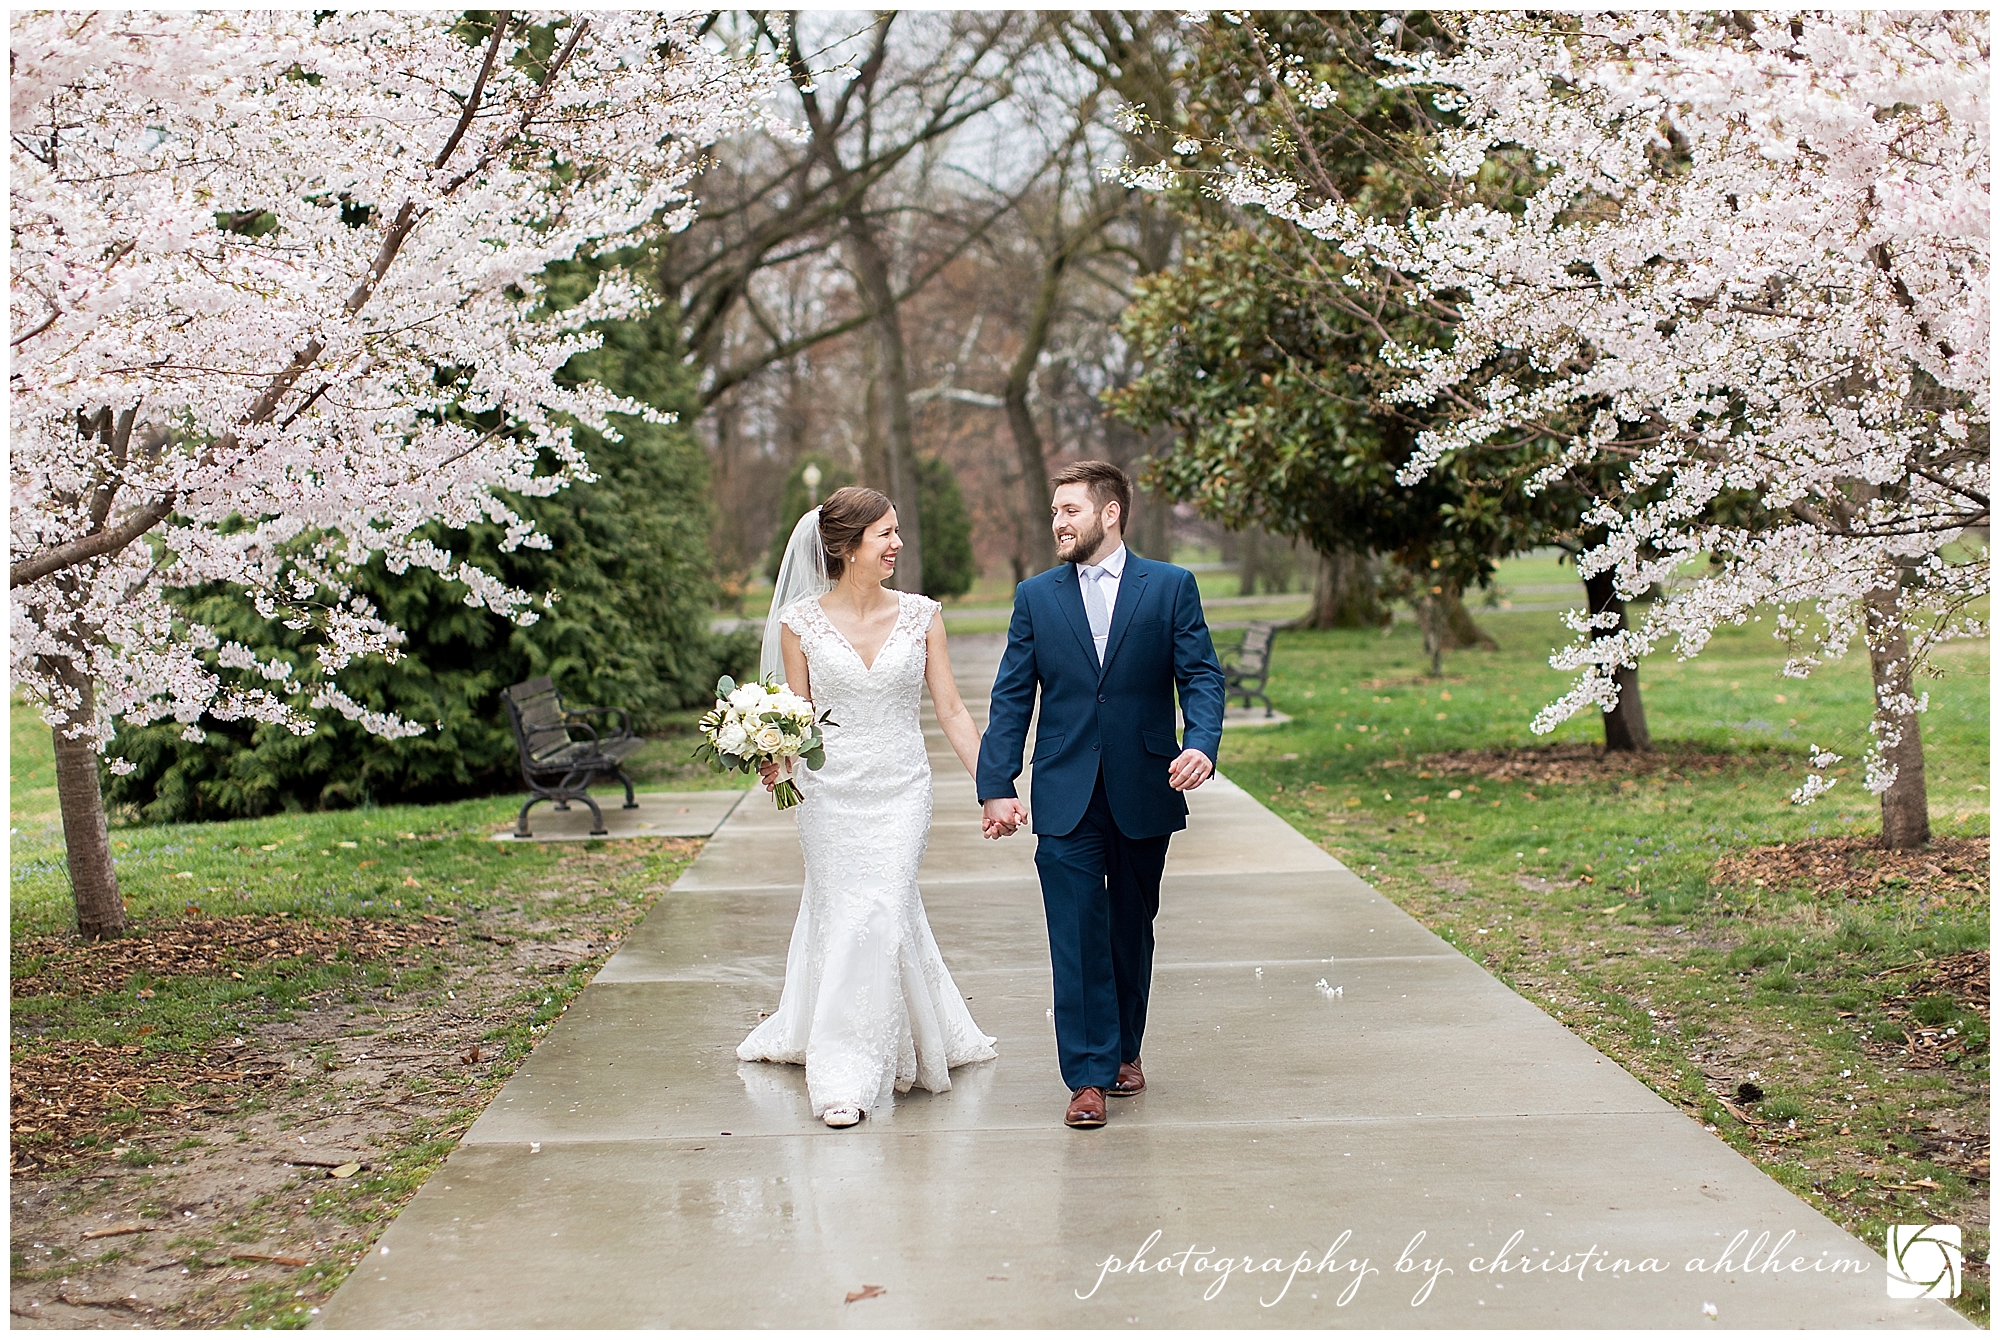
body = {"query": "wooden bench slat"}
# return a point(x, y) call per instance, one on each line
point(557, 765)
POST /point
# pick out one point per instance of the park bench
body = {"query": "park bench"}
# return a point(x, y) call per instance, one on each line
point(562, 753)
point(1245, 668)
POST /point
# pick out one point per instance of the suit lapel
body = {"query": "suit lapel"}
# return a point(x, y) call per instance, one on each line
point(1069, 595)
point(1131, 590)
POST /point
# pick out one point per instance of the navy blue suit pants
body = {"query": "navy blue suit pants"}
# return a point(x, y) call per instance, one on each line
point(1101, 891)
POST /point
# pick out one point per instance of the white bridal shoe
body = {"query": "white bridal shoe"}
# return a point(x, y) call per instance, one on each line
point(842, 1116)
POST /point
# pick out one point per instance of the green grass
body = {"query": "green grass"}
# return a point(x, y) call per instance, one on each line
point(1647, 960)
point(396, 863)
point(382, 861)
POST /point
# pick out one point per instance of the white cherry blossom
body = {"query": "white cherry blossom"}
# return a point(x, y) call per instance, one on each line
point(277, 303)
point(1753, 274)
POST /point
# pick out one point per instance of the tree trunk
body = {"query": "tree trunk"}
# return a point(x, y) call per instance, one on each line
point(1446, 625)
point(100, 912)
point(1149, 528)
point(1037, 546)
point(1251, 564)
point(1344, 592)
point(871, 267)
point(1036, 538)
point(1624, 725)
point(1906, 817)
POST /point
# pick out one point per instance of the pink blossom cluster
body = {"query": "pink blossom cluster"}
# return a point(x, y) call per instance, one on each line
point(1754, 262)
point(277, 303)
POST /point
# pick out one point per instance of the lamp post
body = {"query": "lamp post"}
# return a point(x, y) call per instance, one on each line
point(811, 476)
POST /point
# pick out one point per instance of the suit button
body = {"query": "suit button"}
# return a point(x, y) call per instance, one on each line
point(1093, 745)
point(1102, 699)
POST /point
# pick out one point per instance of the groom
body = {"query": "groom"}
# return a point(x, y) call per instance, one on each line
point(1106, 637)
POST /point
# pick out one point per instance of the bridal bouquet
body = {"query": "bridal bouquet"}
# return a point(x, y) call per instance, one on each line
point(755, 724)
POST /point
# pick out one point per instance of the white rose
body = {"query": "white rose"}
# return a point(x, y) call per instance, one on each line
point(731, 738)
point(770, 739)
point(747, 697)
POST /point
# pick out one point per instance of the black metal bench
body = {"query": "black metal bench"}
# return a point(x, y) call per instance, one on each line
point(562, 753)
point(1245, 668)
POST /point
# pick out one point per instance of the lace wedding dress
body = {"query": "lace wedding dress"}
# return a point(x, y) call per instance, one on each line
point(868, 1006)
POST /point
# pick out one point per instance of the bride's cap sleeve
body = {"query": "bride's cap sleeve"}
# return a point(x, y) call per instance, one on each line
point(795, 616)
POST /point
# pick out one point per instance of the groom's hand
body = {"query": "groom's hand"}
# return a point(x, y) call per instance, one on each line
point(1190, 770)
point(1001, 816)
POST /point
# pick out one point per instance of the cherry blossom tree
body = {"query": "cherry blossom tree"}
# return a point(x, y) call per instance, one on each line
point(276, 305)
point(1754, 275)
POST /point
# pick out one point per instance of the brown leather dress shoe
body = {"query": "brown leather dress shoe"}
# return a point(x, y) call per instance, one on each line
point(1086, 1107)
point(1130, 1080)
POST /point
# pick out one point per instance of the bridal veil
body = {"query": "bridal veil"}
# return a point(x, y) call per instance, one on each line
point(802, 573)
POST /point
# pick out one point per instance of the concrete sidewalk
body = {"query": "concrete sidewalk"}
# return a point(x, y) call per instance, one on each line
point(634, 1173)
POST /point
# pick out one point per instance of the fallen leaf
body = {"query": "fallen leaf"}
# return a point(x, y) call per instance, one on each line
point(274, 1260)
point(1740, 1114)
point(118, 1231)
point(866, 1291)
point(345, 1170)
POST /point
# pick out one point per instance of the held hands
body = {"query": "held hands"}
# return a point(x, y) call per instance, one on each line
point(1190, 770)
point(1001, 816)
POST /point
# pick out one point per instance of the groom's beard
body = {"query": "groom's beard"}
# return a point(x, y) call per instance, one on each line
point(1079, 547)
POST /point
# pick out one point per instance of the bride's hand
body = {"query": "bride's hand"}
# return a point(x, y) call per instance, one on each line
point(769, 772)
point(1001, 816)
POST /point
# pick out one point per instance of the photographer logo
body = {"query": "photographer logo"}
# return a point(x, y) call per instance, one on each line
point(1924, 1261)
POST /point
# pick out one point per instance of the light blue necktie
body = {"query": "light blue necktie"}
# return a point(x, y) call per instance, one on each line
point(1093, 604)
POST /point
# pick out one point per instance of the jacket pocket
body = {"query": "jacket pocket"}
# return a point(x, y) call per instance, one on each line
point(1047, 746)
point(1163, 745)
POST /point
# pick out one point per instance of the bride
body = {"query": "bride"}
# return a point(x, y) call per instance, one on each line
point(868, 1006)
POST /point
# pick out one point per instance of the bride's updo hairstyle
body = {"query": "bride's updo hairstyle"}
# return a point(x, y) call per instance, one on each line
point(844, 518)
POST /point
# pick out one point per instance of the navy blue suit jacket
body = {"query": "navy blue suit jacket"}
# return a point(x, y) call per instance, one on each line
point(1119, 717)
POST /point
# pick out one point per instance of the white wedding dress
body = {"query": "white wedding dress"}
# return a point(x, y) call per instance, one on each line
point(868, 1006)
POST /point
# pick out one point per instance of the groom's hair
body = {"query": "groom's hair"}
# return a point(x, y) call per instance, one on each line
point(1106, 482)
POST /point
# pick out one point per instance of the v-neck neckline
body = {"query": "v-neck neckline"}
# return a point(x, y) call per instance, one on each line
point(867, 667)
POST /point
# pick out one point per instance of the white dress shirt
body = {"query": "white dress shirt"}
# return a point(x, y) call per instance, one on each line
point(1114, 569)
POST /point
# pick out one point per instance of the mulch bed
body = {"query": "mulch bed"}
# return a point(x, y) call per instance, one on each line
point(75, 1087)
point(1966, 978)
point(1555, 764)
point(208, 947)
point(82, 1088)
point(1950, 870)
